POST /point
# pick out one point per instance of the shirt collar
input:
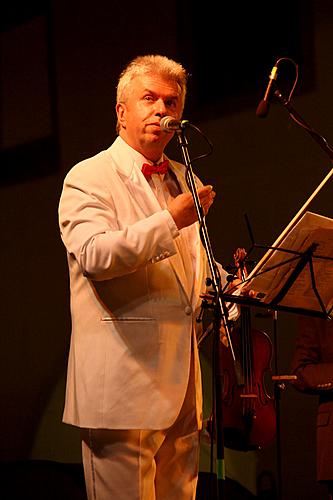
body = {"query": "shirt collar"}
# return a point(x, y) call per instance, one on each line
point(138, 158)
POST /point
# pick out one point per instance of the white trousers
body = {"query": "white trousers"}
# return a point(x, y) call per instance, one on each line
point(144, 464)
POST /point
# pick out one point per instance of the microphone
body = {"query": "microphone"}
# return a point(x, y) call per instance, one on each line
point(263, 107)
point(170, 124)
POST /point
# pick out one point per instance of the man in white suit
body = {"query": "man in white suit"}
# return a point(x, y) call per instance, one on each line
point(137, 268)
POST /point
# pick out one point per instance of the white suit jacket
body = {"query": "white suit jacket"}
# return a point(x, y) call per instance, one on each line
point(132, 314)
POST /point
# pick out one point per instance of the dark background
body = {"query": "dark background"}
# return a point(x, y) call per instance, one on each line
point(59, 67)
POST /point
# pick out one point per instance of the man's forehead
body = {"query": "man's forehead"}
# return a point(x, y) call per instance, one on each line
point(156, 82)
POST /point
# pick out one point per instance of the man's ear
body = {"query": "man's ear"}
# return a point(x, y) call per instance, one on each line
point(121, 113)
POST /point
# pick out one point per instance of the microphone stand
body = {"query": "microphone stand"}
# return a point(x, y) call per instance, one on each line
point(328, 150)
point(300, 121)
point(220, 314)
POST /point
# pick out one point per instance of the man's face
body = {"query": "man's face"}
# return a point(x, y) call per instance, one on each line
point(150, 98)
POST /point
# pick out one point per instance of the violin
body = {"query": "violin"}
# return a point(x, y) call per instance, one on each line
point(249, 417)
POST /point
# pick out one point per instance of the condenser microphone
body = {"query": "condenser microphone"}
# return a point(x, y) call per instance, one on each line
point(170, 124)
point(263, 107)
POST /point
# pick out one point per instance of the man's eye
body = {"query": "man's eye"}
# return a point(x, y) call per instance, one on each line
point(148, 98)
point(170, 104)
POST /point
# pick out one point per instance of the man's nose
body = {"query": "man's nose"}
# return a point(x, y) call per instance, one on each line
point(160, 107)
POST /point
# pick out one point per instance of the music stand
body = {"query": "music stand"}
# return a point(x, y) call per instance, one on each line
point(296, 275)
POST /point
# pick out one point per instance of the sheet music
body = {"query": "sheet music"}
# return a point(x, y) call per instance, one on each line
point(269, 280)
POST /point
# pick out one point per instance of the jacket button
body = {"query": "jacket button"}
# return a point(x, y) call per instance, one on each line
point(188, 310)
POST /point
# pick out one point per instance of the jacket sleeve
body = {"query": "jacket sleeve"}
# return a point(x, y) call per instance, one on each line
point(101, 239)
point(314, 370)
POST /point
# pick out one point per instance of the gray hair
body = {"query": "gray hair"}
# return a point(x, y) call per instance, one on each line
point(142, 65)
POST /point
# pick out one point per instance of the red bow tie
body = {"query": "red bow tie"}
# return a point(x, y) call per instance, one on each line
point(161, 168)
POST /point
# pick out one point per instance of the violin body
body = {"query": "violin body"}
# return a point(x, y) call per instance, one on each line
point(248, 411)
point(249, 418)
